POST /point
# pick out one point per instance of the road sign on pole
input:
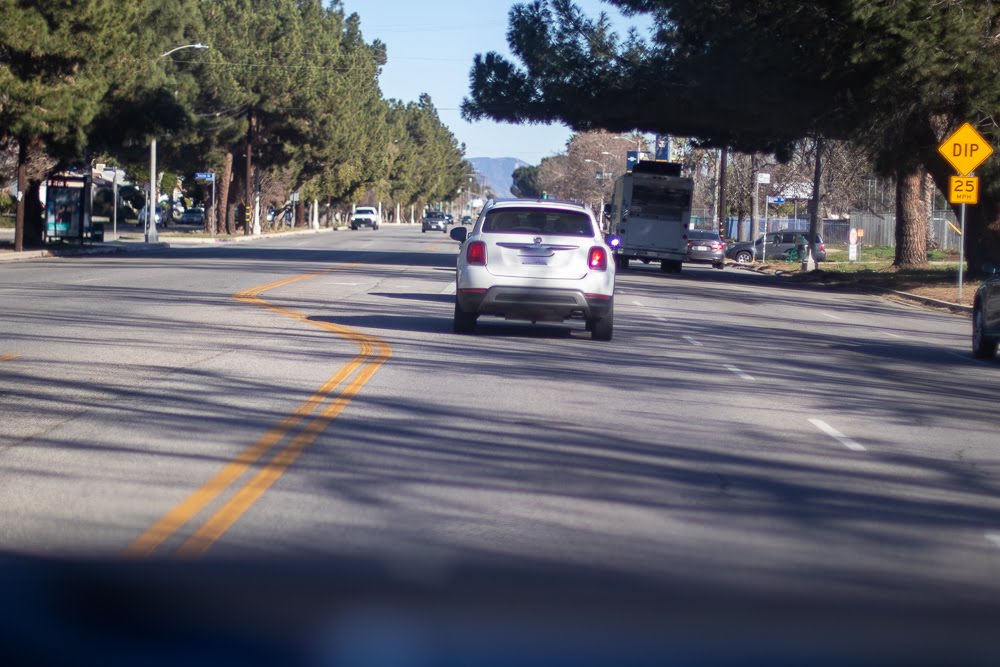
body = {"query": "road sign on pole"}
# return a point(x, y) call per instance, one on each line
point(963, 190)
point(965, 149)
point(205, 178)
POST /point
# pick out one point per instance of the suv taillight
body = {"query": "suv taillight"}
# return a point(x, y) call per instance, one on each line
point(598, 259)
point(475, 254)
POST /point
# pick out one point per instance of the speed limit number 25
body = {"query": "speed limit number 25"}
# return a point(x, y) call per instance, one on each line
point(963, 190)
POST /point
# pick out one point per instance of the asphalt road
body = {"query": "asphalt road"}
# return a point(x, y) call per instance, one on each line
point(304, 399)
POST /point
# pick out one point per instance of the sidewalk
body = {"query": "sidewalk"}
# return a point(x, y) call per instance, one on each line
point(133, 240)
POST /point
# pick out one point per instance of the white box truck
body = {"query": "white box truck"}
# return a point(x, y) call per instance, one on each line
point(650, 213)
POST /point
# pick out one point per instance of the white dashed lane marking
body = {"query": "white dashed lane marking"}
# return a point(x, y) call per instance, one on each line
point(837, 435)
point(694, 341)
point(739, 373)
point(449, 288)
point(994, 538)
point(636, 303)
point(833, 317)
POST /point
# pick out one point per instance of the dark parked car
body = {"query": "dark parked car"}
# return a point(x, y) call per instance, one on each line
point(706, 246)
point(193, 216)
point(781, 245)
point(986, 315)
point(434, 220)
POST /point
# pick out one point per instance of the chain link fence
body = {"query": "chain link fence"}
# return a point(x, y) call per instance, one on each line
point(881, 229)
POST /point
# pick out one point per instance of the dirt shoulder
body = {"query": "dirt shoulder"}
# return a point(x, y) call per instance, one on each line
point(934, 283)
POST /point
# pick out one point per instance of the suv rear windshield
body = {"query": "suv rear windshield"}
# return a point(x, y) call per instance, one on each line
point(535, 221)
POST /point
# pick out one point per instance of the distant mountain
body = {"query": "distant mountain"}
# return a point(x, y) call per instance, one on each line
point(497, 171)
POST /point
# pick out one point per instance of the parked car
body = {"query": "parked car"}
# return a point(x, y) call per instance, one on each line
point(538, 261)
point(466, 219)
point(365, 216)
point(193, 216)
point(706, 246)
point(780, 245)
point(161, 216)
point(986, 315)
point(434, 220)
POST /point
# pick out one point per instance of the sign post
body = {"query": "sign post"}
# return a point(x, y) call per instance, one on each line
point(965, 149)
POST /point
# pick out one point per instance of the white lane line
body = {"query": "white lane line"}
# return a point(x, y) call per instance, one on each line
point(837, 435)
point(636, 303)
point(994, 538)
point(694, 341)
point(662, 318)
point(738, 372)
point(832, 316)
point(890, 334)
point(449, 288)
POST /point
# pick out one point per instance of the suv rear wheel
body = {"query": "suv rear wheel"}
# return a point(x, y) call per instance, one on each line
point(743, 257)
point(603, 327)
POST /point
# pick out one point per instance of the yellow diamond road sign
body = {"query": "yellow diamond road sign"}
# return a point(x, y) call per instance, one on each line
point(965, 149)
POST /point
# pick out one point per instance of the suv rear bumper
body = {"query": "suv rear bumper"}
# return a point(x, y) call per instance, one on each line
point(533, 303)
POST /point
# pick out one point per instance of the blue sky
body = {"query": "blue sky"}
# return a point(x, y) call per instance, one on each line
point(430, 48)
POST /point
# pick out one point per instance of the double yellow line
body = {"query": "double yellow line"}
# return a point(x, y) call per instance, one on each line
point(298, 430)
point(7, 357)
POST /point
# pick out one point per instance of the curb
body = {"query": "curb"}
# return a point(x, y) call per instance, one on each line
point(166, 242)
point(956, 308)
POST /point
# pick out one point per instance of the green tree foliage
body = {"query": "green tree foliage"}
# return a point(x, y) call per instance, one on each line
point(53, 78)
point(525, 182)
point(759, 75)
point(291, 83)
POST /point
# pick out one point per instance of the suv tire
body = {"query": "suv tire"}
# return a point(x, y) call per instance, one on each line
point(743, 257)
point(603, 327)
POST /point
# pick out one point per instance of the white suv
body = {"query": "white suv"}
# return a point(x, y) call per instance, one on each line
point(537, 260)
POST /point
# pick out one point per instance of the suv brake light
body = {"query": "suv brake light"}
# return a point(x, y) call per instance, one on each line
point(476, 254)
point(598, 259)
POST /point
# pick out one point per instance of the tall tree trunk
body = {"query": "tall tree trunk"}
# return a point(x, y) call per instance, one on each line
point(815, 206)
point(723, 207)
point(34, 216)
point(927, 197)
point(247, 211)
point(911, 220)
point(22, 193)
point(223, 193)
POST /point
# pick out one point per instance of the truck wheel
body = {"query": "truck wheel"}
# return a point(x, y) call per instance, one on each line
point(621, 262)
point(670, 266)
point(602, 328)
point(464, 322)
point(743, 257)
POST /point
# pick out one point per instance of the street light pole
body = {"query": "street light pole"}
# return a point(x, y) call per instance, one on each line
point(152, 236)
